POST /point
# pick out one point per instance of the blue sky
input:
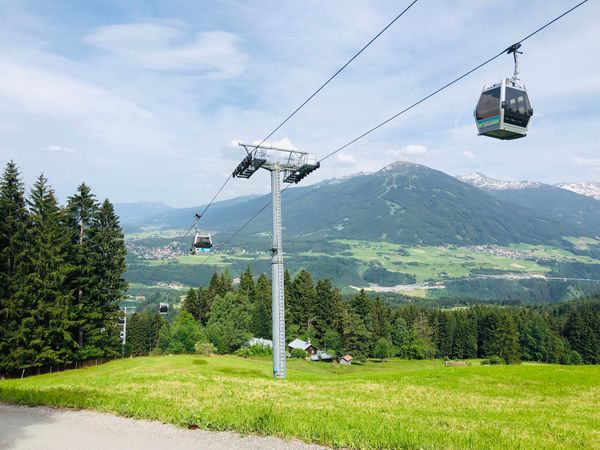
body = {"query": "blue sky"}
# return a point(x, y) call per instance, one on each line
point(144, 100)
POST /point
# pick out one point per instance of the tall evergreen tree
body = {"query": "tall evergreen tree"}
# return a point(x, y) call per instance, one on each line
point(13, 219)
point(109, 248)
point(355, 336)
point(247, 284)
point(302, 304)
point(197, 302)
point(261, 311)
point(44, 292)
point(82, 209)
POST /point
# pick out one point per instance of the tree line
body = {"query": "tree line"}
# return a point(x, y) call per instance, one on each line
point(61, 276)
point(226, 317)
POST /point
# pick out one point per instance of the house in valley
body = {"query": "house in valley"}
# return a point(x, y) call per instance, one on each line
point(346, 360)
point(306, 346)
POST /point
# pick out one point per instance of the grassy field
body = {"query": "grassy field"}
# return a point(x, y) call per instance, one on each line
point(430, 262)
point(396, 404)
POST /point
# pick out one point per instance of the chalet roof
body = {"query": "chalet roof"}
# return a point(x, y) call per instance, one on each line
point(299, 343)
point(347, 358)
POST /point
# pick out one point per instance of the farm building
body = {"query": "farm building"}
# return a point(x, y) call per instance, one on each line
point(321, 355)
point(260, 341)
point(346, 360)
point(306, 346)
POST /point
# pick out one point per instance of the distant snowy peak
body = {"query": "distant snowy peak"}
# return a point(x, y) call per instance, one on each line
point(481, 181)
point(589, 189)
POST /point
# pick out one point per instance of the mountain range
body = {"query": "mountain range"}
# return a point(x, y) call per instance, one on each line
point(588, 189)
point(402, 203)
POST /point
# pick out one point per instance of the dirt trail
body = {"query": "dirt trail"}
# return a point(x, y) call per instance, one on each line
point(23, 428)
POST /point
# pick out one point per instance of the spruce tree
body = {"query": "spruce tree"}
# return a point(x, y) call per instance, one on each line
point(109, 248)
point(302, 303)
point(261, 311)
point(44, 293)
point(247, 284)
point(329, 302)
point(82, 210)
point(355, 336)
point(13, 218)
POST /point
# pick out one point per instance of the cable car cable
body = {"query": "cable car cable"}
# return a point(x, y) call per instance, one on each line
point(447, 85)
point(356, 55)
point(409, 108)
point(314, 94)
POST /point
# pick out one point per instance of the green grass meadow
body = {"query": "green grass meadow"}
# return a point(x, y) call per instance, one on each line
point(395, 404)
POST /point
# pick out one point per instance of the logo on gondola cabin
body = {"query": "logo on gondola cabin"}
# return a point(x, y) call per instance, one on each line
point(490, 121)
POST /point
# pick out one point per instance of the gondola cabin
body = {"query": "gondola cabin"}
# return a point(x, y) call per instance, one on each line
point(163, 308)
point(503, 110)
point(202, 243)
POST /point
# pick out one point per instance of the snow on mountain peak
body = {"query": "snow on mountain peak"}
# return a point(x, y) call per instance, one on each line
point(589, 188)
point(481, 181)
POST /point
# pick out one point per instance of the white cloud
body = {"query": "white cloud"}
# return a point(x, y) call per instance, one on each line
point(57, 95)
point(586, 162)
point(468, 154)
point(59, 148)
point(162, 47)
point(345, 159)
point(284, 143)
point(407, 151)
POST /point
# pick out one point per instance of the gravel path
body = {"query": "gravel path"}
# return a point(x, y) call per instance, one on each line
point(22, 427)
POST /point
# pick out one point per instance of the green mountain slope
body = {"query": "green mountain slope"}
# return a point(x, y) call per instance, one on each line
point(558, 204)
point(402, 203)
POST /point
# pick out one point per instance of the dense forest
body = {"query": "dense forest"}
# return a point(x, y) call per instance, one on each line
point(225, 317)
point(61, 278)
point(61, 283)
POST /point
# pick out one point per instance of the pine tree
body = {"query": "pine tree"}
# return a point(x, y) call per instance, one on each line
point(109, 248)
point(143, 329)
point(197, 303)
point(464, 344)
point(361, 304)
point(82, 210)
point(355, 336)
point(261, 311)
point(329, 302)
point(45, 290)
point(247, 284)
point(13, 219)
point(302, 304)
point(498, 335)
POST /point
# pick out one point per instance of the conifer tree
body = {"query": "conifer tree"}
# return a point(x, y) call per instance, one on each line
point(109, 248)
point(44, 293)
point(361, 304)
point(13, 218)
point(302, 303)
point(142, 332)
point(354, 334)
point(329, 302)
point(197, 303)
point(247, 284)
point(82, 210)
point(261, 308)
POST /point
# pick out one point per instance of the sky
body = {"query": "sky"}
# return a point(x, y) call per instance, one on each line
point(147, 100)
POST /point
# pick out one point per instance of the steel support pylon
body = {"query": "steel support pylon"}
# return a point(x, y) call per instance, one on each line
point(277, 282)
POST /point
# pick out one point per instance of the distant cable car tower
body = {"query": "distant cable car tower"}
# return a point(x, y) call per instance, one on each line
point(296, 165)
